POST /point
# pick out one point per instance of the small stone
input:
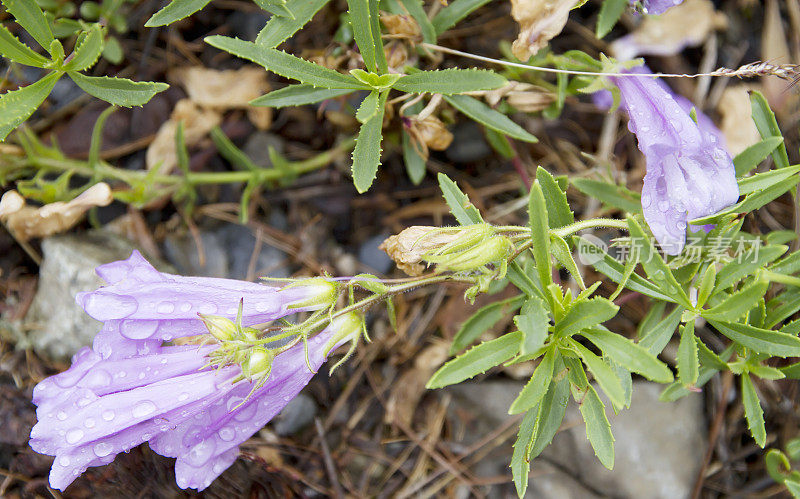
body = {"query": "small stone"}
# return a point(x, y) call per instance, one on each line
point(181, 251)
point(468, 144)
point(257, 147)
point(57, 326)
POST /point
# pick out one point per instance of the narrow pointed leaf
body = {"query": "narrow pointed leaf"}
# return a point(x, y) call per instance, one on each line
point(558, 211)
point(598, 429)
point(450, 81)
point(298, 95)
point(483, 320)
point(603, 374)
point(688, 363)
point(488, 117)
point(739, 303)
point(476, 360)
point(286, 65)
point(629, 355)
point(550, 415)
point(175, 11)
point(16, 106)
point(367, 153)
point(12, 48)
point(460, 205)
point(753, 411)
point(279, 28)
point(585, 314)
point(360, 20)
point(520, 463)
point(455, 11)
point(118, 91)
point(540, 234)
point(88, 50)
point(533, 391)
point(765, 341)
point(28, 14)
point(755, 154)
point(767, 126)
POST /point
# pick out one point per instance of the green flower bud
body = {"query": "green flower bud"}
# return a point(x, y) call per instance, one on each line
point(219, 327)
point(259, 363)
point(346, 327)
point(493, 249)
point(320, 293)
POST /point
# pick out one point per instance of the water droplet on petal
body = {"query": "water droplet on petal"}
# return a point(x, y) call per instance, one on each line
point(98, 378)
point(102, 449)
point(64, 461)
point(165, 308)
point(108, 415)
point(74, 436)
point(89, 423)
point(185, 307)
point(143, 409)
point(183, 396)
point(207, 308)
point(61, 415)
point(201, 453)
point(227, 434)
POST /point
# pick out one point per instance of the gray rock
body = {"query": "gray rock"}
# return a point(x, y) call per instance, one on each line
point(370, 255)
point(658, 445)
point(57, 326)
point(297, 414)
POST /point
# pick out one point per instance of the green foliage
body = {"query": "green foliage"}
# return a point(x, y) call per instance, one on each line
point(610, 12)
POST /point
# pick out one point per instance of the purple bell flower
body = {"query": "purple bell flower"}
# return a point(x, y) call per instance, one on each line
point(689, 172)
point(132, 389)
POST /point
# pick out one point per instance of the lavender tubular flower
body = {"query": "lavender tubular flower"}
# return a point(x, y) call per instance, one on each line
point(132, 389)
point(142, 303)
point(689, 173)
point(656, 7)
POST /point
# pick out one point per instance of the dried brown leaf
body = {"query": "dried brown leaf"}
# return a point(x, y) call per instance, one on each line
point(408, 247)
point(539, 22)
point(197, 123)
point(26, 222)
point(737, 125)
point(409, 389)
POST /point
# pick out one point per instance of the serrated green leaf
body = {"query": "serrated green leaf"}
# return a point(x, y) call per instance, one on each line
point(585, 314)
point(752, 201)
point(229, 151)
point(782, 307)
point(368, 107)
point(793, 486)
point(610, 194)
point(118, 91)
point(760, 340)
point(175, 11)
point(535, 389)
point(767, 126)
point(610, 12)
point(788, 265)
point(16, 106)
point(483, 320)
point(460, 205)
point(88, 50)
point(738, 303)
point(765, 372)
point(688, 363)
point(485, 115)
point(752, 411)
point(606, 378)
point(706, 286)
point(598, 429)
point(550, 415)
point(629, 355)
point(520, 464)
point(455, 12)
point(476, 360)
point(761, 181)
point(286, 65)
point(279, 28)
point(736, 270)
point(450, 81)
point(558, 211)
point(28, 15)
point(275, 7)
point(540, 234)
point(755, 154)
point(533, 322)
point(362, 13)
point(298, 95)
point(367, 153)
point(12, 48)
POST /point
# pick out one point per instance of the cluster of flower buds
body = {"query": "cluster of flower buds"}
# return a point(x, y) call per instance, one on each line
point(480, 250)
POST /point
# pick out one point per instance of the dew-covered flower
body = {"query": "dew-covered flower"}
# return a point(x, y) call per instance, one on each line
point(140, 303)
point(689, 172)
point(132, 388)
